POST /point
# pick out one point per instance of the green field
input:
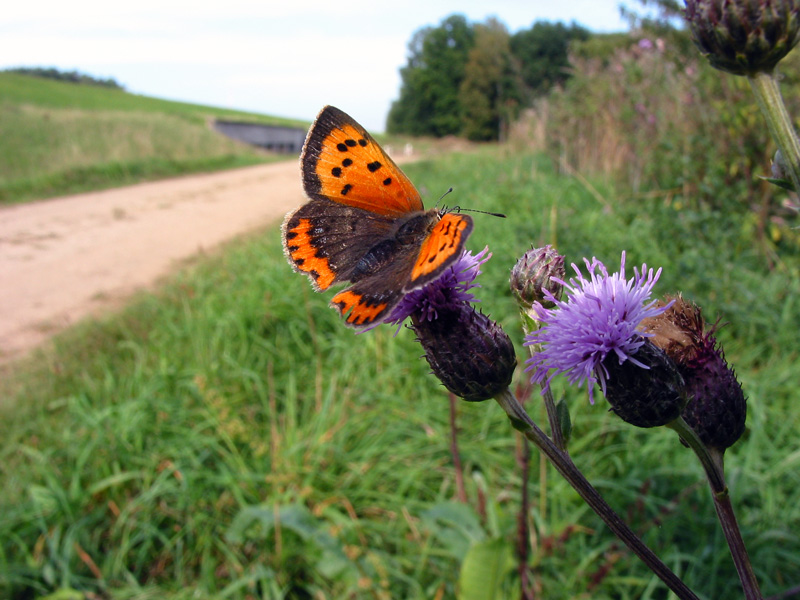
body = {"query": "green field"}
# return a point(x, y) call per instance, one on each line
point(229, 437)
point(58, 137)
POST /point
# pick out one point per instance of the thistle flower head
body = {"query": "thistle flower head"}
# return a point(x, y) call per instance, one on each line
point(470, 354)
point(445, 293)
point(717, 408)
point(744, 37)
point(539, 269)
point(597, 323)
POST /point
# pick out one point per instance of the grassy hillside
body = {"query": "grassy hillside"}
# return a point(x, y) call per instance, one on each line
point(229, 437)
point(58, 137)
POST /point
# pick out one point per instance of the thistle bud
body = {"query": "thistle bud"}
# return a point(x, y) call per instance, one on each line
point(744, 37)
point(645, 397)
point(469, 353)
point(533, 275)
point(717, 408)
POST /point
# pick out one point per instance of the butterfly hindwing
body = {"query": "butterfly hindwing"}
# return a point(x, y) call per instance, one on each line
point(326, 240)
point(343, 163)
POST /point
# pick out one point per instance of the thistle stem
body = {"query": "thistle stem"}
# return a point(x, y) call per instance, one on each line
point(564, 465)
point(529, 325)
point(768, 94)
point(712, 461)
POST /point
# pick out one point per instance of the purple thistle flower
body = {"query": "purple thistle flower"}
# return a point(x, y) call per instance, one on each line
point(448, 292)
point(600, 318)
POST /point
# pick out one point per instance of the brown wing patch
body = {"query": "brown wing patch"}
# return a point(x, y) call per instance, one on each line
point(343, 163)
point(357, 309)
point(304, 256)
point(441, 247)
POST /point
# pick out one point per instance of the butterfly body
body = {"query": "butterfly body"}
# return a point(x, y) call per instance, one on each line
point(365, 223)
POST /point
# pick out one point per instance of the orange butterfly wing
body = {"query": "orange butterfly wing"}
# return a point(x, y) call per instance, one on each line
point(343, 163)
point(440, 248)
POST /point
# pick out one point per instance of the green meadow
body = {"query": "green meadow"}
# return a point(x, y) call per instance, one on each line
point(229, 437)
point(58, 138)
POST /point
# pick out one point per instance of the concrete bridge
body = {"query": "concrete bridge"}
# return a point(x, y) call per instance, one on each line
point(276, 138)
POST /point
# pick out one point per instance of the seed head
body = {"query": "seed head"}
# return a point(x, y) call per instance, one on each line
point(717, 408)
point(744, 37)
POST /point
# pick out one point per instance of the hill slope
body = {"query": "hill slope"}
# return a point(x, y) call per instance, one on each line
point(58, 137)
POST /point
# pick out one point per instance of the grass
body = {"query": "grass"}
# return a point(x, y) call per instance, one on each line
point(229, 437)
point(58, 138)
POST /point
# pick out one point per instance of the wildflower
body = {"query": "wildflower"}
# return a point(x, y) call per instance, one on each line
point(538, 270)
point(744, 37)
point(594, 337)
point(717, 408)
point(469, 353)
point(448, 291)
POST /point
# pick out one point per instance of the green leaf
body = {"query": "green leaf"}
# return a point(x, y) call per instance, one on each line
point(298, 519)
point(564, 420)
point(781, 183)
point(483, 570)
point(64, 594)
point(455, 525)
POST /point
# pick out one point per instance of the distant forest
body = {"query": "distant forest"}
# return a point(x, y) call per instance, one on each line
point(472, 79)
point(68, 76)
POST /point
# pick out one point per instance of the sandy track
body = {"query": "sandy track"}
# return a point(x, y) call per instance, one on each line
point(64, 259)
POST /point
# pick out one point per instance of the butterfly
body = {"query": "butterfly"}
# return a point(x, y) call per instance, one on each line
point(365, 223)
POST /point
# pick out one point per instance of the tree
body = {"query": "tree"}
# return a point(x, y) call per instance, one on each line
point(543, 53)
point(491, 91)
point(429, 101)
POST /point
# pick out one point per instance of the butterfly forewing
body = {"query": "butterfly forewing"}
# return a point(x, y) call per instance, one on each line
point(343, 163)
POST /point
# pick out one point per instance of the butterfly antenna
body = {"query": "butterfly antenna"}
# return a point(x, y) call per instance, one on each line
point(459, 209)
point(475, 210)
point(449, 190)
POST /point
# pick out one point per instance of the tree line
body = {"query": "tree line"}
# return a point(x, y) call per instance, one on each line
point(472, 79)
point(68, 76)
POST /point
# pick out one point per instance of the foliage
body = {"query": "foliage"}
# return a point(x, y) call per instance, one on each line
point(429, 102)
point(473, 79)
point(543, 53)
point(228, 436)
point(491, 91)
point(657, 16)
point(660, 121)
point(67, 76)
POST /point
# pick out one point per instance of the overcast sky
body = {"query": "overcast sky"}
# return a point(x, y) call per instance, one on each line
point(285, 58)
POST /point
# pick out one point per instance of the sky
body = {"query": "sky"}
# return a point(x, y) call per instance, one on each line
point(287, 58)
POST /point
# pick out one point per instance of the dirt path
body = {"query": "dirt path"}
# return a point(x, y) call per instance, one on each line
point(66, 258)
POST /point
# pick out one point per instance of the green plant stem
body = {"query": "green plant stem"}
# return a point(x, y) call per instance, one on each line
point(555, 425)
point(529, 325)
point(768, 94)
point(564, 465)
point(712, 461)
